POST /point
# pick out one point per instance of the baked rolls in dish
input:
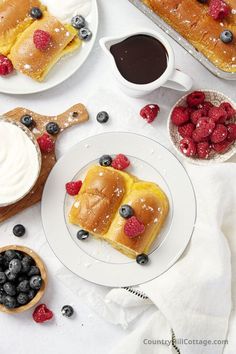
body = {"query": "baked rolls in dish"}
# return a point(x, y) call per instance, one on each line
point(36, 63)
point(104, 191)
point(192, 20)
point(14, 19)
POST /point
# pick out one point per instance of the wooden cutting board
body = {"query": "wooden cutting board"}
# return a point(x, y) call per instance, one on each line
point(75, 115)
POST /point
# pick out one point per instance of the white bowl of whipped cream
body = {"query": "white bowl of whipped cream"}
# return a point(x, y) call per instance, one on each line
point(20, 161)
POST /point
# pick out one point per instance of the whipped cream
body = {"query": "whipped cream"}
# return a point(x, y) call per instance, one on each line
point(19, 163)
point(64, 10)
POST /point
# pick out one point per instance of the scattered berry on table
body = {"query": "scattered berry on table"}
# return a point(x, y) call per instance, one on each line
point(78, 22)
point(218, 9)
point(126, 211)
point(36, 13)
point(120, 162)
point(195, 98)
point(102, 117)
point(142, 259)
point(41, 39)
point(73, 188)
point(85, 34)
point(179, 116)
point(27, 120)
point(188, 147)
point(6, 66)
point(67, 311)
point(52, 128)
point(219, 134)
point(46, 143)
point(133, 227)
point(82, 235)
point(42, 314)
point(19, 230)
point(227, 36)
point(105, 160)
point(150, 112)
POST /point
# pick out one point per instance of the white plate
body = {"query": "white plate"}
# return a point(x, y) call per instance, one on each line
point(95, 260)
point(19, 84)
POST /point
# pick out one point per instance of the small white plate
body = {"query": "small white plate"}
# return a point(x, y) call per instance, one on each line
point(19, 84)
point(95, 260)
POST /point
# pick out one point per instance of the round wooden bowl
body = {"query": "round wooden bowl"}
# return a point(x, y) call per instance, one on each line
point(43, 272)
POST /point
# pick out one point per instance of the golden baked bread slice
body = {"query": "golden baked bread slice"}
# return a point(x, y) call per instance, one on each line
point(104, 191)
point(192, 20)
point(36, 63)
point(14, 19)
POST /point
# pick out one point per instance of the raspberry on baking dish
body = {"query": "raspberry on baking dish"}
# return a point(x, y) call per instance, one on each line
point(186, 130)
point(133, 227)
point(231, 132)
point(46, 143)
point(120, 162)
point(219, 134)
point(196, 115)
point(188, 147)
point(195, 98)
point(218, 114)
point(150, 112)
point(73, 188)
point(6, 66)
point(203, 150)
point(42, 39)
point(222, 147)
point(197, 138)
point(42, 314)
point(179, 116)
point(205, 106)
point(205, 127)
point(230, 111)
point(218, 9)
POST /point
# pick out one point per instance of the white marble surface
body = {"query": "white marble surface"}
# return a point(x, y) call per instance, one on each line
point(93, 85)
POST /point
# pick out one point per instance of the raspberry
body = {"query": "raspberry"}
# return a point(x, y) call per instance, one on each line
point(222, 147)
point(133, 227)
point(186, 130)
point(188, 147)
point(195, 98)
point(73, 188)
point(189, 111)
point(205, 127)
point(197, 137)
point(230, 111)
point(203, 150)
point(195, 116)
point(120, 162)
point(6, 66)
point(46, 143)
point(217, 114)
point(150, 112)
point(219, 134)
point(218, 9)
point(179, 116)
point(205, 106)
point(231, 132)
point(41, 39)
point(42, 314)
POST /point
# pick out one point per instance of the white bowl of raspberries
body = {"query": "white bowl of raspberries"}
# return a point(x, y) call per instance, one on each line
point(202, 127)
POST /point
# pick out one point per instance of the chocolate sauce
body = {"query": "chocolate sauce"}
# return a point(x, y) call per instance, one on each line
point(140, 59)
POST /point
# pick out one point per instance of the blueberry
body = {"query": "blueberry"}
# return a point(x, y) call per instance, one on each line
point(34, 270)
point(21, 278)
point(10, 276)
point(227, 36)
point(36, 282)
point(31, 294)
point(67, 311)
point(2, 296)
point(142, 259)
point(78, 22)
point(19, 255)
point(15, 266)
point(105, 160)
point(126, 211)
point(3, 278)
point(9, 302)
point(19, 230)
point(9, 255)
point(26, 264)
point(9, 289)
point(102, 117)
point(82, 235)
point(23, 286)
point(85, 34)
point(1, 258)
point(22, 299)
point(27, 120)
point(52, 128)
point(36, 13)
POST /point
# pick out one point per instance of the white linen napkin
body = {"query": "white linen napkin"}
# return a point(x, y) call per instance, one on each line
point(193, 298)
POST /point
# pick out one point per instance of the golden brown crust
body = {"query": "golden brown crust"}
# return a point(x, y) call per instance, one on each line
point(33, 62)
point(191, 19)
